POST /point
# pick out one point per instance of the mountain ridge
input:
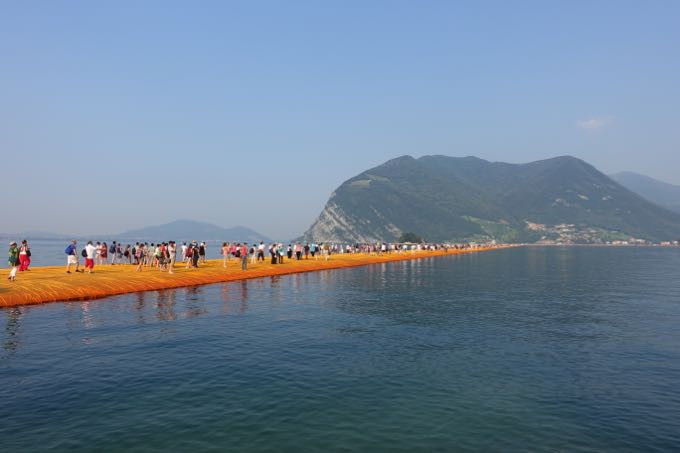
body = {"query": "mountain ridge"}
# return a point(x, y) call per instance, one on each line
point(445, 198)
point(660, 192)
point(184, 229)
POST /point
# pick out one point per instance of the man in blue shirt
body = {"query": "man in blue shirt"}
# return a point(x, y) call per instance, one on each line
point(71, 256)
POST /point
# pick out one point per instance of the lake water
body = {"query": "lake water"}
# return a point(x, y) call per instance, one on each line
point(540, 349)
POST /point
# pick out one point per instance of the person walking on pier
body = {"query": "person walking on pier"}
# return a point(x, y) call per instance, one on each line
point(225, 254)
point(98, 260)
point(172, 256)
point(260, 251)
point(90, 253)
point(162, 255)
point(273, 253)
point(104, 253)
point(244, 256)
point(119, 252)
point(13, 260)
point(202, 249)
point(139, 255)
point(71, 256)
point(24, 256)
point(188, 254)
point(194, 254)
point(112, 251)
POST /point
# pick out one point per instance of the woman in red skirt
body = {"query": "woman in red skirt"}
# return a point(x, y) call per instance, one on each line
point(24, 256)
point(104, 252)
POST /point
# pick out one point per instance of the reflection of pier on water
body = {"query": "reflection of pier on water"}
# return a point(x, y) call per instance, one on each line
point(12, 338)
point(236, 298)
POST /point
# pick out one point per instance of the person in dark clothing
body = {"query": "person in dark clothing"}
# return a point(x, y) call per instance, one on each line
point(201, 252)
point(272, 253)
point(195, 255)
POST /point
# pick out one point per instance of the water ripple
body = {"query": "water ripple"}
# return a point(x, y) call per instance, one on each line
point(572, 349)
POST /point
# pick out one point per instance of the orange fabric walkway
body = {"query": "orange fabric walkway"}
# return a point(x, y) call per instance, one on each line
point(51, 284)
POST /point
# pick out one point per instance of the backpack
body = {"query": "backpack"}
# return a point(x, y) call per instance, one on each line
point(68, 250)
point(84, 253)
point(112, 249)
point(190, 252)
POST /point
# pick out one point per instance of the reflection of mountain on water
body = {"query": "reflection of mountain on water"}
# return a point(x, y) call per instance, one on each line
point(464, 290)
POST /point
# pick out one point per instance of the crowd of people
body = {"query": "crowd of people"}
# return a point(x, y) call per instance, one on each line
point(163, 255)
point(19, 258)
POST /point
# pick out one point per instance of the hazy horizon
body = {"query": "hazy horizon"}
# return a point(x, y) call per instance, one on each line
point(116, 117)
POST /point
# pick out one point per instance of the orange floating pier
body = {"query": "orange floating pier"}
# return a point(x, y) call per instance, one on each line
point(53, 284)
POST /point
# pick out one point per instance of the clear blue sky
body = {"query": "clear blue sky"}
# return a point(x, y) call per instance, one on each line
point(126, 114)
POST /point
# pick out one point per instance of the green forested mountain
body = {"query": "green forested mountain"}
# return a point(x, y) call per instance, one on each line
point(443, 198)
point(659, 192)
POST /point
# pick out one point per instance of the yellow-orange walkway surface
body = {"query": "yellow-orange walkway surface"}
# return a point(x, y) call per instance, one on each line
point(51, 284)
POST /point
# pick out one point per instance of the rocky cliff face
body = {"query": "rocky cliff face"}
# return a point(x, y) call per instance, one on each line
point(335, 225)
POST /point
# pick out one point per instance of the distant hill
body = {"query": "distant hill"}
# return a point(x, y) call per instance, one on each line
point(443, 198)
point(184, 230)
point(659, 192)
point(190, 229)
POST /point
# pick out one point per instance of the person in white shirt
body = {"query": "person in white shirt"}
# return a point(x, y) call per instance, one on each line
point(172, 256)
point(260, 251)
point(90, 253)
point(99, 253)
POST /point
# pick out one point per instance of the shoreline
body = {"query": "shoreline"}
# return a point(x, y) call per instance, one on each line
point(51, 283)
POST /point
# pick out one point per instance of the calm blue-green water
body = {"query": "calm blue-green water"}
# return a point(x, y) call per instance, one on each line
point(538, 349)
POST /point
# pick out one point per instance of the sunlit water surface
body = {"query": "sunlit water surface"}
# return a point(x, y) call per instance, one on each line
point(541, 349)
